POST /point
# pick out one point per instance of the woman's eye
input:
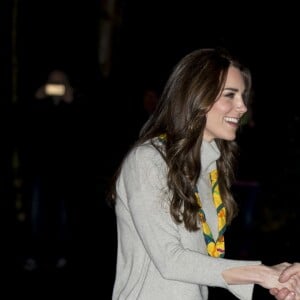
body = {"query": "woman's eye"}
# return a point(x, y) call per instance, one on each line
point(229, 95)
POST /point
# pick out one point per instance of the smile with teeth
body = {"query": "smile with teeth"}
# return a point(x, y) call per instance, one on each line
point(232, 120)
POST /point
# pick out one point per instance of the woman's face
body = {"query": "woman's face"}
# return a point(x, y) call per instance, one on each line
point(224, 116)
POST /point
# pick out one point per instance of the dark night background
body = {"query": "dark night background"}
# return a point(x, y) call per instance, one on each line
point(147, 39)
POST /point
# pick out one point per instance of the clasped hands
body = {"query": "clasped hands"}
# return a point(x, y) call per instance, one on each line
point(290, 274)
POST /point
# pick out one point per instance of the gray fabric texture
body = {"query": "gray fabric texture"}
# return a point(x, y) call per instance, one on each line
point(156, 258)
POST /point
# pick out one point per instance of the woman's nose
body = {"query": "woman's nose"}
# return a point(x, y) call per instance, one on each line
point(241, 107)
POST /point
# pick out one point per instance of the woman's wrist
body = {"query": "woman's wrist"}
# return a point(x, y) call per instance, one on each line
point(250, 274)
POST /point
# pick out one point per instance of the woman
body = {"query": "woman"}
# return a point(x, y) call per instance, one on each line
point(171, 210)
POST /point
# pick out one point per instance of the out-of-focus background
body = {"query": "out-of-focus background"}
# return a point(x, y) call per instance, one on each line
point(116, 55)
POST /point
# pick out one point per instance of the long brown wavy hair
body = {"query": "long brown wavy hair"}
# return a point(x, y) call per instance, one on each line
point(191, 90)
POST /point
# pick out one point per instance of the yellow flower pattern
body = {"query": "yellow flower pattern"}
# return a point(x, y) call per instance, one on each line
point(214, 248)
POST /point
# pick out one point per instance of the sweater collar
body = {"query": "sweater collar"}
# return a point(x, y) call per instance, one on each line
point(209, 154)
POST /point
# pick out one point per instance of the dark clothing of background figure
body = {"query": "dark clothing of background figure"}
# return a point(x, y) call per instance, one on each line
point(58, 176)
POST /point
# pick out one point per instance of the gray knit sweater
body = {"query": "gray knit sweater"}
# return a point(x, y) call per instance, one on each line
point(156, 258)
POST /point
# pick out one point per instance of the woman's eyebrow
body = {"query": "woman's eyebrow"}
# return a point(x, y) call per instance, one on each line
point(231, 89)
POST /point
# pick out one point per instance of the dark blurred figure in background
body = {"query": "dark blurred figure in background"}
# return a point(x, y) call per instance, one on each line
point(57, 158)
point(150, 99)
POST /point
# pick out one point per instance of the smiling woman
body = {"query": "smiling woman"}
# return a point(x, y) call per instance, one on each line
point(172, 192)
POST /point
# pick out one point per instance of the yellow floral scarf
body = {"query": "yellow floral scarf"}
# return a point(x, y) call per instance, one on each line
point(214, 248)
